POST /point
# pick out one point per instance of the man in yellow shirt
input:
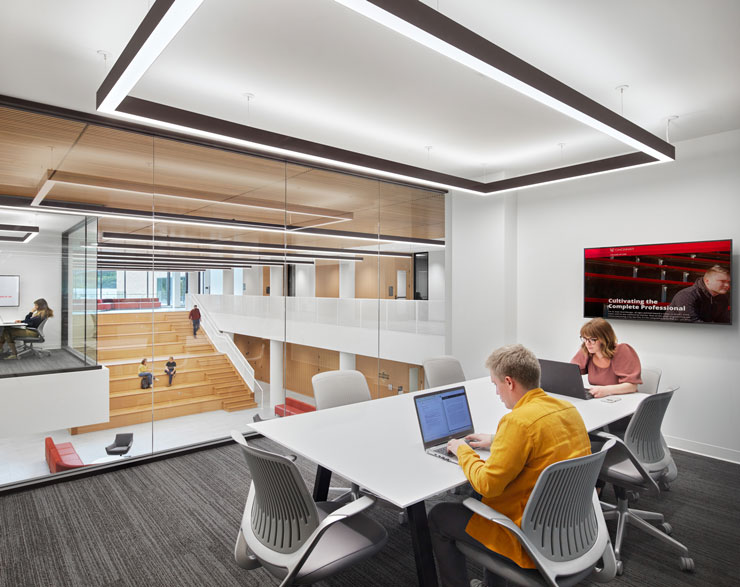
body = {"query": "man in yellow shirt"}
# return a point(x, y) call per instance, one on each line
point(539, 431)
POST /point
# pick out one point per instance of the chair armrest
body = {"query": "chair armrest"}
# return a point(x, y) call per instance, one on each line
point(647, 477)
point(498, 518)
point(351, 509)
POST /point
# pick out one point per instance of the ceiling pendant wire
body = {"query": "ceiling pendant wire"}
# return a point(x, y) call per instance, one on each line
point(667, 126)
point(104, 55)
point(249, 96)
point(621, 89)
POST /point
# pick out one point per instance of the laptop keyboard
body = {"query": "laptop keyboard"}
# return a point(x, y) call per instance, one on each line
point(441, 451)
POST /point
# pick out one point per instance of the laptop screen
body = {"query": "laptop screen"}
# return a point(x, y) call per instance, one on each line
point(443, 415)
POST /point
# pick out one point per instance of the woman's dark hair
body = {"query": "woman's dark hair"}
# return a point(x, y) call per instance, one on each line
point(143, 360)
point(43, 308)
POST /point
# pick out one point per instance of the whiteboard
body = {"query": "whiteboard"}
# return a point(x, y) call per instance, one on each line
point(9, 290)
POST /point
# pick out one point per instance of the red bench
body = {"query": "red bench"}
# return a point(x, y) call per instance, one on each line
point(128, 303)
point(291, 407)
point(61, 457)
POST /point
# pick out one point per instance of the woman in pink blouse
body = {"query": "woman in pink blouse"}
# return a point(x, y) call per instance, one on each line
point(612, 368)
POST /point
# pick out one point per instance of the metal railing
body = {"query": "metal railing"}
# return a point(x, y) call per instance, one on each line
point(225, 344)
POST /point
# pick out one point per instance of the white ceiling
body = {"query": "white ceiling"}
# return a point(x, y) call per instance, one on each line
point(320, 72)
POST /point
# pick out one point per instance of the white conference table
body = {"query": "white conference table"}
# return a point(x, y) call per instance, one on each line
point(377, 445)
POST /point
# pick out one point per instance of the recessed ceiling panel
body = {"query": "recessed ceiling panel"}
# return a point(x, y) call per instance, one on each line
point(319, 71)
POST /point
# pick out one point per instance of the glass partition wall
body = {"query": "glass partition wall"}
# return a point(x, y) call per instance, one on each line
point(212, 285)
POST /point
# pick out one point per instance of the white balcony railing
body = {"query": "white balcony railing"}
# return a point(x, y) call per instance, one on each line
point(395, 329)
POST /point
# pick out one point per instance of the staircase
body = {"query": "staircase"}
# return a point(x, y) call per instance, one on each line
point(205, 380)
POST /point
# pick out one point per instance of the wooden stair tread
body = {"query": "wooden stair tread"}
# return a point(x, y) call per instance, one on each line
point(132, 360)
point(165, 405)
point(157, 389)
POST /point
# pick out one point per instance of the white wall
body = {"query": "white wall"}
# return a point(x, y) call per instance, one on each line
point(52, 402)
point(253, 281)
point(39, 263)
point(476, 279)
point(693, 198)
point(436, 275)
point(305, 281)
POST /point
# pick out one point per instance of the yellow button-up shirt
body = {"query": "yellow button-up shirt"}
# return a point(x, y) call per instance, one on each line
point(539, 431)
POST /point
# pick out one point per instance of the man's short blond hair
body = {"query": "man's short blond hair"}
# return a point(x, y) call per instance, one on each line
point(515, 361)
point(716, 269)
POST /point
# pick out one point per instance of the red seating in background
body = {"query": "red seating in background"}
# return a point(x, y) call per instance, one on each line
point(128, 303)
point(291, 407)
point(61, 457)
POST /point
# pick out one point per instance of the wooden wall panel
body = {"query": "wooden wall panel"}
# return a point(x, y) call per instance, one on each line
point(257, 352)
point(303, 362)
point(367, 272)
point(327, 280)
point(265, 280)
point(382, 373)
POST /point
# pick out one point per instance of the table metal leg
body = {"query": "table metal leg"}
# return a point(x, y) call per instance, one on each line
point(421, 541)
point(321, 485)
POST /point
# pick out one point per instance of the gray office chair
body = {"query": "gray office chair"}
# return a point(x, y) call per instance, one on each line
point(28, 342)
point(296, 540)
point(563, 528)
point(650, 382)
point(636, 464)
point(444, 370)
point(340, 388)
point(121, 445)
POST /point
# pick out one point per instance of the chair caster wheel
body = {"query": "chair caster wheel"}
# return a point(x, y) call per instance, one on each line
point(686, 564)
point(667, 528)
point(620, 568)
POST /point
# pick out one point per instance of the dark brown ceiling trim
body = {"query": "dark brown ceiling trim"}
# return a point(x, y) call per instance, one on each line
point(186, 118)
point(589, 168)
point(146, 28)
point(444, 28)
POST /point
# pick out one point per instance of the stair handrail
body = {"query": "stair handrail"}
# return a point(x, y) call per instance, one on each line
point(225, 344)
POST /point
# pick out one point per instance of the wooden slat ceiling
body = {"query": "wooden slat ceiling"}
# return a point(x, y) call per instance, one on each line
point(118, 169)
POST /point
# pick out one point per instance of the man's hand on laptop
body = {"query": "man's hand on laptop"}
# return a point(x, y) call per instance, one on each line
point(476, 440)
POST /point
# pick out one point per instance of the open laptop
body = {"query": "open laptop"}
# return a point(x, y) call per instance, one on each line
point(444, 415)
point(563, 379)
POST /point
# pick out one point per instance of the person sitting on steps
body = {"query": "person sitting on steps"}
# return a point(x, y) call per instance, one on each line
point(169, 368)
point(146, 375)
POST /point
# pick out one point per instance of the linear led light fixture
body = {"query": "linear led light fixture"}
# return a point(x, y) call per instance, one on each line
point(155, 33)
point(449, 42)
point(283, 248)
point(418, 22)
point(227, 255)
point(204, 221)
point(188, 258)
point(30, 233)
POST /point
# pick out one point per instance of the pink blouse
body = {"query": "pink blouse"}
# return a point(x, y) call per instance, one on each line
point(624, 367)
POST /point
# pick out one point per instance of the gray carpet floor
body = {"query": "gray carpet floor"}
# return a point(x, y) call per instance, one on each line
point(174, 522)
point(58, 359)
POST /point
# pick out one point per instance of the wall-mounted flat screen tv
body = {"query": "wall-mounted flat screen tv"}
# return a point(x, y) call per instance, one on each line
point(672, 282)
